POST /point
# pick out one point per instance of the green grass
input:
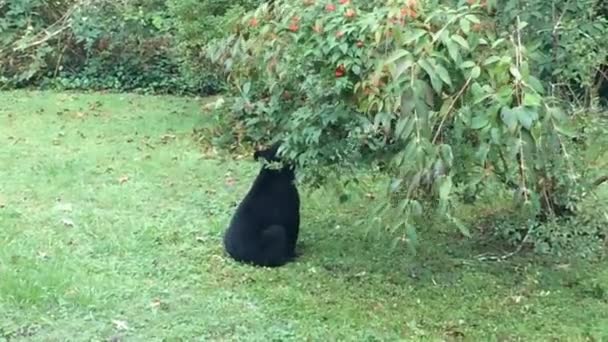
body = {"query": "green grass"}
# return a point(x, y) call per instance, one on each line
point(110, 227)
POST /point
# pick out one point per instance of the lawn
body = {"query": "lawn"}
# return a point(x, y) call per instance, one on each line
point(111, 217)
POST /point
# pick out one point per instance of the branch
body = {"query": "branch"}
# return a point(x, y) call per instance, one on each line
point(600, 181)
point(40, 41)
point(447, 113)
point(62, 22)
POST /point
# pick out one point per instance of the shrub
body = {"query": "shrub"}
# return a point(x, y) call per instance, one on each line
point(125, 46)
point(195, 24)
point(570, 39)
point(25, 50)
point(438, 96)
point(102, 44)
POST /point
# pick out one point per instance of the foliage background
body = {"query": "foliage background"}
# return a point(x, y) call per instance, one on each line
point(485, 79)
point(151, 46)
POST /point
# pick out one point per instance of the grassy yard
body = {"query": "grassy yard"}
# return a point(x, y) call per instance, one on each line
point(111, 218)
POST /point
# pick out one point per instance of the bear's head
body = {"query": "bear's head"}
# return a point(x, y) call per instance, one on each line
point(271, 156)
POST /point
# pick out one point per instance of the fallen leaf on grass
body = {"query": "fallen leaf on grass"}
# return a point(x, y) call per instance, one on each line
point(361, 274)
point(160, 305)
point(214, 105)
point(67, 222)
point(42, 255)
point(120, 325)
point(517, 299)
point(155, 303)
point(167, 137)
point(123, 179)
point(230, 181)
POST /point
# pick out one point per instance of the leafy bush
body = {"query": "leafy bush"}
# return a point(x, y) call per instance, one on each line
point(196, 23)
point(126, 46)
point(438, 96)
point(28, 29)
point(102, 44)
point(570, 36)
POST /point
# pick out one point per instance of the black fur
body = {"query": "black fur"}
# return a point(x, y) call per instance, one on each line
point(265, 226)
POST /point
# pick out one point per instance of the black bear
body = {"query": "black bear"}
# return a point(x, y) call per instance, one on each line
point(265, 226)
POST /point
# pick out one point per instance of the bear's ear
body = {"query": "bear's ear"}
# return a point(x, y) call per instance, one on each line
point(259, 152)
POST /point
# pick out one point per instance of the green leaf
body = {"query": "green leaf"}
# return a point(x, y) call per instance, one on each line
point(445, 106)
point(524, 69)
point(522, 25)
point(482, 153)
point(479, 93)
point(445, 187)
point(461, 41)
point(412, 236)
point(416, 208)
point(465, 25)
point(515, 72)
point(436, 84)
point(495, 135)
point(567, 131)
point(428, 68)
point(461, 227)
point(401, 67)
point(467, 65)
point(557, 114)
point(498, 42)
point(453, 51)
point(509, 118)
point(479, 121)
point(445, 152)
point(413, 36)
point(531, 99)
point(525, 117)
point(395, 185)
point(505, 94)
point(398, 54)
point(404, 127)
point(491, 60)
point(472, 19)
point(475, 72)
point(443, 74)
point(536, 84)
point(407, 102)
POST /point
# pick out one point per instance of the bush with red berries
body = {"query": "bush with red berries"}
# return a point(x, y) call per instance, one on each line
point(434, 95)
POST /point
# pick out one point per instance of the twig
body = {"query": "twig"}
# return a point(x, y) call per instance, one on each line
point(40, 41)
point(557, 25)
point(602, 73)
point(59, 60)
point(447, 113)
point(62, 22)
point(504, 257)
point(518, 61)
